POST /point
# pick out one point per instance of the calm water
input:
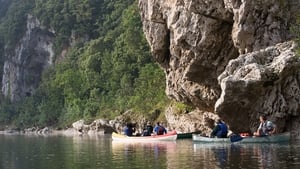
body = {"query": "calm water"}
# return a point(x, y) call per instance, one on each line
point(97, 152)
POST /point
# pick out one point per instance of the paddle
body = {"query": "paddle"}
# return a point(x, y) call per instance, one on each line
point(235, 138)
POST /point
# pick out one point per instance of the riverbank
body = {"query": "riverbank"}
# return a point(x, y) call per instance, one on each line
point(48, 131)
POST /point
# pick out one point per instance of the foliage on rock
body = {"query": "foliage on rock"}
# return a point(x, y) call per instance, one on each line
point(107, 68)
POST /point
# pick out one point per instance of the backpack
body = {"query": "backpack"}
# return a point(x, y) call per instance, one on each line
point(160, 131)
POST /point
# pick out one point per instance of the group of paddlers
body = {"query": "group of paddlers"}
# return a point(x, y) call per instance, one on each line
point(265, 128)
point(148, 130)
point(220, 130)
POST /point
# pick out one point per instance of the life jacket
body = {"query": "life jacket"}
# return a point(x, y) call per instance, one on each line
point(269, 126)
point(148, 130)
point(223, 130)
point(128, 131)
point(146, 133)
point(266, 127)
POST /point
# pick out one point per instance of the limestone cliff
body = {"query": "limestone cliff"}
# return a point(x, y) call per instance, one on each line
point(24, 65)
point(231, 58)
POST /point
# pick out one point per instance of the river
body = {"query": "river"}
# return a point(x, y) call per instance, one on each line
point(100, 152)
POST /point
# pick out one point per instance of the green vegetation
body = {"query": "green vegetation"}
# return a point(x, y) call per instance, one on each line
point(107, 71)
point(296, 30)
point(3, 7)
point(13, 24)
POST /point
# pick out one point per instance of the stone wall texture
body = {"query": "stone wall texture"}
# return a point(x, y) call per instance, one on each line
point(233, 59)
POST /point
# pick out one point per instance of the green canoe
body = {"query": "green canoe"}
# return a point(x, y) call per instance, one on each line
point(187, 135)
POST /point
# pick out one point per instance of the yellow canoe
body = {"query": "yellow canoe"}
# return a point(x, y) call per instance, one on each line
point(170, 136)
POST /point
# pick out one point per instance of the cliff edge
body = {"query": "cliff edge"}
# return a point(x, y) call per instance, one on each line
point(233, 59)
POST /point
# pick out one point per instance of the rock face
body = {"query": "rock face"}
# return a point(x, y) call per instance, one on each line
point(4, 4)
point(265, 81)
point(24, 66)
point(190, 122)
point(193, 44)
point(231, 58)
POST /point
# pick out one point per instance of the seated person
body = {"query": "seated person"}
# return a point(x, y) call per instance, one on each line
point(129, 130)
point(148, 130)
point(159, 129)
point(220, 130)
point(265, 127)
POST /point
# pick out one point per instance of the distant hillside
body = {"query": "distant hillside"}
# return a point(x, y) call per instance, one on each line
point(66, 60)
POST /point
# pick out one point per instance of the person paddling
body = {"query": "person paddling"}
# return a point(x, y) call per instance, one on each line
point(129, 130)
point(220, 130)
point(159, 129)
point(265, 127)
point(148, 130)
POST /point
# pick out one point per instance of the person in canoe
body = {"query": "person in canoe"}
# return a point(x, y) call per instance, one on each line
point(129, 129)
point(159, 129)
point(265, 127)
point(220, 130)
point(148, 130)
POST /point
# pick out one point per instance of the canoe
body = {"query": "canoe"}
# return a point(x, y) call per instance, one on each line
point(284, 137)
point(127, 145)
point(199, 138)
point(266, 139)
point(187, 135)
point(170, 136)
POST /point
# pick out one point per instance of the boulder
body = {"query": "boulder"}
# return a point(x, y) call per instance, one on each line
point(232, 58)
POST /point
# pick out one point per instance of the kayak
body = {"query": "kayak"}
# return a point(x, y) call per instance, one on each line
point(170, 136)
point(284, 137)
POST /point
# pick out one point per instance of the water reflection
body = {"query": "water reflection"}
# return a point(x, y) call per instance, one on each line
point(221, 155)
point(262, 156)
point(100, 152)
point(148, 155)
point(35, 152)
point(266, 157)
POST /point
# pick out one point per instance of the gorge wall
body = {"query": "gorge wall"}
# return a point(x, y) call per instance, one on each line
point(23, 66)
point(230, 59)
point(233, 59)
